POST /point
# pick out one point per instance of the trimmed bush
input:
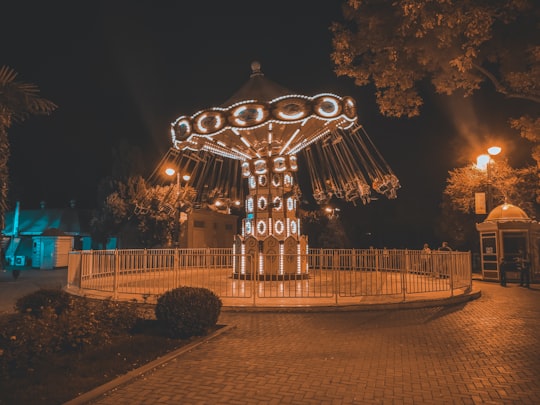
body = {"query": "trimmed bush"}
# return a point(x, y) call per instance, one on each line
point(91, 322)
point(116, 317)
point(52, 321)
point(34, 303)
point(188, 311)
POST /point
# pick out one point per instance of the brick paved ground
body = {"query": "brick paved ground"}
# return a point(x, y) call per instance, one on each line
point(486, 351)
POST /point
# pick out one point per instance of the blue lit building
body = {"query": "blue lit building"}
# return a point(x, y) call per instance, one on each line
point(42, 238)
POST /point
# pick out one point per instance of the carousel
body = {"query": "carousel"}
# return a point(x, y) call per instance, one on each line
point(247, 153)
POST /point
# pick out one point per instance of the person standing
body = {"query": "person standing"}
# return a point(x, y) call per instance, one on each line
point(426, 259)
point(445, 247)
point(445, 265)
point(522, 264)
point(503, 268)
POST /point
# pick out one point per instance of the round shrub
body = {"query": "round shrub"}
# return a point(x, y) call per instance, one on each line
point(188, 311)
point(34, 303)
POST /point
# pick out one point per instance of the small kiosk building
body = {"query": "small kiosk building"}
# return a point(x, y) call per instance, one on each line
point(507, 229)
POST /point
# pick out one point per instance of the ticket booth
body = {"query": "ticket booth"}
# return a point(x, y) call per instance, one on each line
point(507, 229)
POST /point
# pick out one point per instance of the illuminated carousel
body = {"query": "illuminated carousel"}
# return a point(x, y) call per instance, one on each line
point(244, 153)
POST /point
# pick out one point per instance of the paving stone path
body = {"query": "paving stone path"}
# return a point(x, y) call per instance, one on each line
point(486, 351)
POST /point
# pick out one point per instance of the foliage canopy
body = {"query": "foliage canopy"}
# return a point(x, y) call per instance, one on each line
point(148, 210)
point(455, 45)
point(506, 185)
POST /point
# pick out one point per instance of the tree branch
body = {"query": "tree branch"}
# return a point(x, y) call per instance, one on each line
point(503, 89)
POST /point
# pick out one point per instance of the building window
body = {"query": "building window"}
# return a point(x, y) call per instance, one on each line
point(198, 224)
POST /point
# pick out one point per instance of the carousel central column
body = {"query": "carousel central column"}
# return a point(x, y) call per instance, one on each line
point(271, 229)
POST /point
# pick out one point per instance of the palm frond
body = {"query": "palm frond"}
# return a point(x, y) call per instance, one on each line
point(7, 75)
point(20, 100)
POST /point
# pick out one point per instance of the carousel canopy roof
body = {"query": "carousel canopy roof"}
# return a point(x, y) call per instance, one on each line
point(258, 87)
point(507, 212)
point(263, 119)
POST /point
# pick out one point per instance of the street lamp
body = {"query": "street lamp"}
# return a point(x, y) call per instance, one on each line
point(332, 212)
point(180, 196)
point(484, 162)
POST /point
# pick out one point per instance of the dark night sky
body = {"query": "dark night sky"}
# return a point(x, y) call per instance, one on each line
point(125, 70)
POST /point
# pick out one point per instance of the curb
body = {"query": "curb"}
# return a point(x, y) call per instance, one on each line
point(133, 374)
point(427, 303)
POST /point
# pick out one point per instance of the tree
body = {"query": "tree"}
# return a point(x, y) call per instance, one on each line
point(146, 211)
point(457, 227)
point(18, 101)
point(456, 45)
point(506, 185)
point(458, 217)
point(323, 231)
point(116, 193)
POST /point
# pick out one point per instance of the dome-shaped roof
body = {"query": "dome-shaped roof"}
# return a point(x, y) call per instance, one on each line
point(258, 87)
point(507, 212)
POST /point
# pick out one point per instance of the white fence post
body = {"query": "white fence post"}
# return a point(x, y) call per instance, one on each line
point(116, 274)
point(453, 260)
point(335, 259)
point(404, 273)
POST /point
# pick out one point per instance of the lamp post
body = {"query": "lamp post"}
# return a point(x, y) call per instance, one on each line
point(484, 162)
point(180, 195)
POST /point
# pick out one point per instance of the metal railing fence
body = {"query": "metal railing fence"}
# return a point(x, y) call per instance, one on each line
point(332, 276)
